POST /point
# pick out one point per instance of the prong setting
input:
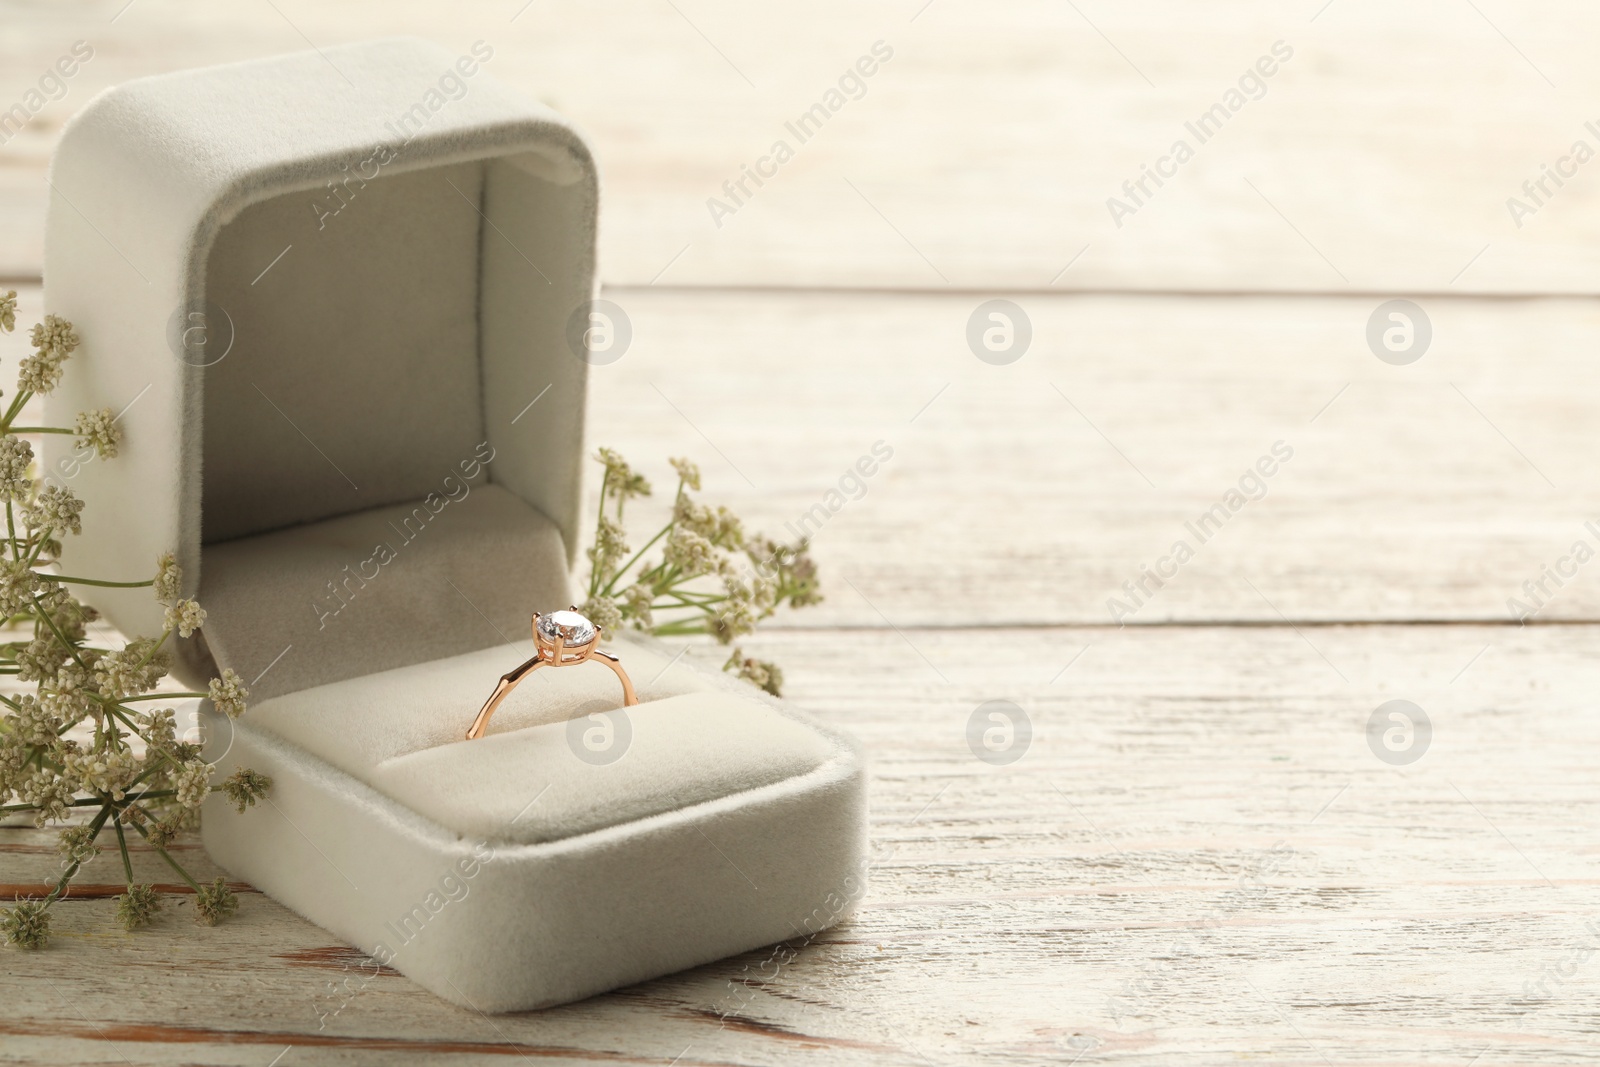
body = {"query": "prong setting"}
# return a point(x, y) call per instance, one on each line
point(565, 637)
point(561, 639)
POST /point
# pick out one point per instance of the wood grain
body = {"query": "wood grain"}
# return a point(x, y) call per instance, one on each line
point(1380, 157)
point(1029, 493)
point(1197, 859)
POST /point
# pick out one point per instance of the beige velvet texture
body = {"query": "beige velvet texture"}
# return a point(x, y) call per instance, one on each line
point(353, 380)
point(544, 923)
point(370, 347)
point(347, 597)
point(536, 776)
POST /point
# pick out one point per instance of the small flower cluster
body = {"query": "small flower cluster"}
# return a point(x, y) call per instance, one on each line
point(81, 743)
point(712, 578)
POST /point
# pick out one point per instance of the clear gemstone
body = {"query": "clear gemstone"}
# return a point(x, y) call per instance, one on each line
point(571, 627)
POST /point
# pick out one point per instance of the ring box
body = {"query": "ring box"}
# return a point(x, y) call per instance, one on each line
point(332, 297)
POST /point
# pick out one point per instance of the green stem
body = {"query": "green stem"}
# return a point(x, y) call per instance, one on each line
point(61, 886)
point(170, 861)
point(636, 557)
point(655, 577)
point(89, 802)
point(594, 569)
point(690, 597)
point(154, 648)
point(9, 808)
point(122, 846)
point(11, 531)
point(97, 581)
point(66, 876)
point(14, 410)
point(162, 696)
point(681, 628)
point(668, 580)
point(40, 429)
point(44, 616)
point(38, 548)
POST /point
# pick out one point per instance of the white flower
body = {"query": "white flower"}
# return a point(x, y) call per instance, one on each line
point(691, 553)
point(102, 772)
point(101, 430)
point(185, 616)
point(40, 658)
point(126, 673)
point(56, 508)
point(51, 792)
point(40, 372)
point(169, 578)
point(602, 611)
point(18, 583)
point(718, 525)
point(228, 694)
point(16, 456)
point(746, 604)
point(68, 698)
point(192, 781)
point(33, 724)
point(637, 602)
point(76, 843)
point(609, 550)
point(8, 311)
point(54, 335)
point(689, 472)
point(619, 477)
point(160, 730)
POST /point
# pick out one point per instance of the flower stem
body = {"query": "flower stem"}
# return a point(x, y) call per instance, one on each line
point(154, 648)
point(14, 410)
point(122, 846)
point(66, 876)
point(39, 429)
point(594, 569)
point(44, 617)
point(97, 581)
point(680, 628)
point(170, 861)
point(636, 557)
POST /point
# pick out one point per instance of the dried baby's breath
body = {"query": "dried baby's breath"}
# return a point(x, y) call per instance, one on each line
point(244, 787)
point(228, 694)
point(138, 906)
point(214, 902)
point(711, 577)
point(99, 430)
point(82, 743)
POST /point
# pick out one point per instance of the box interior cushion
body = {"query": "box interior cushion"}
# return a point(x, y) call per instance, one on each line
point(691, 739)
point(461, 569)
point(386, 365)
point(353, 377)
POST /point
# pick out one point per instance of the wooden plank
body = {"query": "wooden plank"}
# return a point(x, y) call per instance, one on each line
point(1381, 156)
point(1197, 858)
point(1030, 493)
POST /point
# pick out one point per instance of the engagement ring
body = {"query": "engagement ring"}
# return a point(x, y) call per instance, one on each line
point(563, 639)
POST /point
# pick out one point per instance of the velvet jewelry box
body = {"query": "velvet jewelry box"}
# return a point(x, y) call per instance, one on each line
point(331, 296)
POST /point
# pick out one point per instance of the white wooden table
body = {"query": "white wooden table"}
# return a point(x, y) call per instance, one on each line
point(1199, 858)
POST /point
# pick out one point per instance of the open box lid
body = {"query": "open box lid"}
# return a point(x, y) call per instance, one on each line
point(316, 287)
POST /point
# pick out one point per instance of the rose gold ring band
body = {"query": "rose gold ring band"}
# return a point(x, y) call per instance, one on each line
point(561, 639)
